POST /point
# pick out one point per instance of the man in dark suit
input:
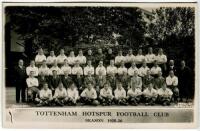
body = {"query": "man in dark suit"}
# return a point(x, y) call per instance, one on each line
point(20, 81)
point(185, 80)
point(42, 79)
point(54, 81)
point(66, 80)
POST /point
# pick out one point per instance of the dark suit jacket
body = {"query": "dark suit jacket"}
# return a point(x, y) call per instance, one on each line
point(67, 81)
point(42, 81)
point(54, 82)
point(100, 81)
point(20, 76)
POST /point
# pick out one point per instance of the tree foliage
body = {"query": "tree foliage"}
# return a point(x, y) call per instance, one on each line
point(56, 27)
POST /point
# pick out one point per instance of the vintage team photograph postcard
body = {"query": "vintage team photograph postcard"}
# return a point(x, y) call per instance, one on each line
point(100, 65)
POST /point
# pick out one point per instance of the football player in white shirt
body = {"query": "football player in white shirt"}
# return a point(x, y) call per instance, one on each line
point(81, 58)
point(130, 58)
point(51, 58)
point(61, 57)
point(111, 69)
point(40, 57)
point(119, 58)
point(150, 95)
point(44, 97)
point(150, 57)
point(89, 95)
point(134, 96)
point(32, 68)
point(55, 67)
point(66, 68)
point(155, 69)
point(132, 69)
point(101, 68)
point(60, 96)
point(32, 84)
point(122, 69)
point(73, 95)
point(161, 58)
point(72, 58)
point(44, 69)
point(77, 69)
point(89, 68)
point(172, 83)
point(106, 95)
point(139, 58)
point(120, 95)
point(164, 95)
point(143, 70)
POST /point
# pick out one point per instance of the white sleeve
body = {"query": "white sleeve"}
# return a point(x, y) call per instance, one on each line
point(97, 71)
point(36, 82)
point(36, 58)
point(28, 82)
point(168, 81)
point(83, 94)
point(36, 71)
point(175, 83)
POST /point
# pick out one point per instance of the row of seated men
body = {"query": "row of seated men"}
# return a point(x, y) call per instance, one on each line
point(105, 96)
point(77, 69)
point(98, 83)
point(150, 57)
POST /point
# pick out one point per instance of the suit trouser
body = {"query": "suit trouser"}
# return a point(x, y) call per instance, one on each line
point(105, 100)
point(134, 100)
point(120, 101)
point(20, 92)
point(88, 101)
point(163, 100)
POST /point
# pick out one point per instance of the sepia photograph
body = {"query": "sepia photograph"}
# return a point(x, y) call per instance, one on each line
point(99, 63)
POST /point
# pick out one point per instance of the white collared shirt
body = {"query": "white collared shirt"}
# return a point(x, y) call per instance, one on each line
point(51, 59)
point(30, 69)
point(65, 68)
point(172, 81)
point(161, 59)
point(60, 93)
point(40, 58)
point(81, 59)
point(167, 92)
point(44, 70)
point(131, 71)
point(119, 59)
point(150, 58)
point(120, 93)
point(88, 69)
point(54, 68)
point(45, 94)
point(150, 93)
point(121, 70)
point(139, 59)
point(61, 58)
point(73, 94)
point(130, 58)
point(32, 82)
point(155, 70)
point(143, 71)
point(76, 70)
point(106, 93)
point(89, 93)
point(111, 70)
point(131, 93)
point(71, 60)
point(102, 69)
